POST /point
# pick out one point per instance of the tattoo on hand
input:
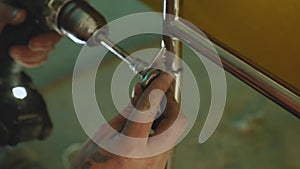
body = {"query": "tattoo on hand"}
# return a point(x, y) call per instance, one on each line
point(92, 155)
point(97, 157)
point(86, 165)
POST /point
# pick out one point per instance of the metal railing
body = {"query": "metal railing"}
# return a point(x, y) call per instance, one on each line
point(247, 73)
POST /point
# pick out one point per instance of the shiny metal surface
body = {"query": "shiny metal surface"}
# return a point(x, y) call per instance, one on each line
point(137, 65)
point(79, 21)
point(52, 14)
point(252, 38)
point(254, 133)
point(239, 68)
point(173, 45)
point(264, 33)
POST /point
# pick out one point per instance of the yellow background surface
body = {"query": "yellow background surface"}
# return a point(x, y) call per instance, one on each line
point(265, 32)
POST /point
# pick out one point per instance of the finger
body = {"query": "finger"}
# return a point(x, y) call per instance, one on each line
point(118, 122)
point(32, 64)
point(170, 113)
point(163, 107)
point(161, 83)
point(171, 127)
point(172, 104)
point(142, 130)
point(28, 58)
point(12, 15)
point(23, 53)
point(136, 93)
point(167, 139)
point(109, 129)
point(44, 41)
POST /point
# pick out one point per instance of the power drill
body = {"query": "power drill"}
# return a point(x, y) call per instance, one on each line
point(23, 112)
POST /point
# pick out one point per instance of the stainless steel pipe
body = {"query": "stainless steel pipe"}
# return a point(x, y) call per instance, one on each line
point(242, 70)
point(173, 45)
point(247, 73)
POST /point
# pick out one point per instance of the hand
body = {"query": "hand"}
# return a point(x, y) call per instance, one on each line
point(38, 48)
point(94, 157)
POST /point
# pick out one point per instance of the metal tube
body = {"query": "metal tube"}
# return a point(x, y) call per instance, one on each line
point(173, 45)
point(136, 65)
point(231, 63)
point(244, 71)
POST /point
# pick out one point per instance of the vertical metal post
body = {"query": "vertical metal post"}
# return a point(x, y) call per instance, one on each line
point(171, 11)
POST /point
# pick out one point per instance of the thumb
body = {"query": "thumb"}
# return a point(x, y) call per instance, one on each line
point(10, 15)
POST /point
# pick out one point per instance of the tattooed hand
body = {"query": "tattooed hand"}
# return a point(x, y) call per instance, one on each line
point(147, 153)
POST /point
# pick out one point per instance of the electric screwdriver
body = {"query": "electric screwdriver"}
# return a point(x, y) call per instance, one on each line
point(23, 112)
